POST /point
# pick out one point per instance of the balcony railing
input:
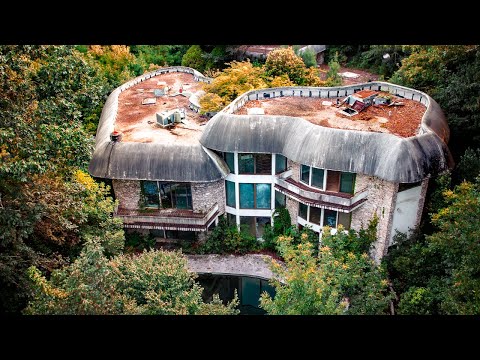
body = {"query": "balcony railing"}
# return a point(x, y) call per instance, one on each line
point(170, 219)
point(320, 198)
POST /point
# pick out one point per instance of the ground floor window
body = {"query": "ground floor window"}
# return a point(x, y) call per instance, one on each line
point(254, 225)
point(231, 219)
point(330, 218)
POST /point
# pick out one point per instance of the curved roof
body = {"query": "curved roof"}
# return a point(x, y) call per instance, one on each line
point(383, 155)
point(152, 161)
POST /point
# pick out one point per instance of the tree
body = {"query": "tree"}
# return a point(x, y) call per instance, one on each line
point(284, 61)
point(438, 273)
point(333, 79)
point(308, 57)
point(341, 279)
point(194, 58)
point(49, 95)
point(116, 62)
point(233, 81)
point(155, 282)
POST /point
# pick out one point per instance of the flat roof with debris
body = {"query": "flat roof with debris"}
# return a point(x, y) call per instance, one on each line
point(403, 120)
point(138, 105)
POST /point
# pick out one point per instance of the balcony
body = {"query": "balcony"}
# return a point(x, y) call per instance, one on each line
point(167, 219)
point(319, 198)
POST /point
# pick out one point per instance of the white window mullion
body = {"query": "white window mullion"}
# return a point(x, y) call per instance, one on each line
point(235, 162)
point(325, 174)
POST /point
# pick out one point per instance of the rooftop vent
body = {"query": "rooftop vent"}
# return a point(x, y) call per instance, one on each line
point(115, 136)
point(349, 112)
point(255, 111)
point(149, 101)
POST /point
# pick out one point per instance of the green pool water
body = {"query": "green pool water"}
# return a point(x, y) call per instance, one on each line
point(248, 289)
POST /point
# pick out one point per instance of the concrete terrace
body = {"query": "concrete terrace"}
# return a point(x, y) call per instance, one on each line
point(403, 121)
point(256, 265)
point(137, 122)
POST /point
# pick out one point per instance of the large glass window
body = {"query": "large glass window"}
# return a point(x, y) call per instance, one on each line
point(263, 164)
point(280, 200)
point(255, 196)
point(344, 219)
point(167, 195)
point(302, 211)
point(330, 218)
point(248, 224)
point(263, 196)
point(305, 174)
point(280, 163)
point(347, 182)
point(315, 214)
point(254, 225)
point(246, 196)
point(230, 160)
point(181, 196)
point(317, 177)
point(230, 192)
point(261, 221)
point(150, 192)
point(231, 219)
point(333, 181)
point(260, 164)
point(246, 164)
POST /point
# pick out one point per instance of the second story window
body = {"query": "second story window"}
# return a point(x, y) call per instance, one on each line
point(329, 180)
point(257, 164)
point(280, 163)
point(167, 195)
point(312, 176)
point(230, 160)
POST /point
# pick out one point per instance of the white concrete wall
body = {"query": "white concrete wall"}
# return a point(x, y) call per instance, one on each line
point(406, 210)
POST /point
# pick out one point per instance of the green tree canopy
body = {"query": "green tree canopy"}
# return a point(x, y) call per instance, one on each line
point(155, 282)
point(341, 279)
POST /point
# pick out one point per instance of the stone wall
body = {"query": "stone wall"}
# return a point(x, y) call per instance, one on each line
point(205, 195)
point(127, 193)
point(292, 207)
point(295, 167)
point(381, 201)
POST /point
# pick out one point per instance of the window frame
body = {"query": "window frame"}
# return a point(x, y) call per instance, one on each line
point(254, 155)
point(255, 207)
point(310, 176)
point(173, 194)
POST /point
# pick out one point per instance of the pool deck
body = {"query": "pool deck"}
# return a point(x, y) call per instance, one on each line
point(256, 265)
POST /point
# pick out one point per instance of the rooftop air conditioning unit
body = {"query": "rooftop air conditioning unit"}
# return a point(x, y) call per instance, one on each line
point(169, 118)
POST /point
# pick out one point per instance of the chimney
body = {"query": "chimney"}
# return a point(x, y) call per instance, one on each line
point(115, 136)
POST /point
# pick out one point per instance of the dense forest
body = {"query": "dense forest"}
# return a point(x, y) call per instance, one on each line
point(62, 252)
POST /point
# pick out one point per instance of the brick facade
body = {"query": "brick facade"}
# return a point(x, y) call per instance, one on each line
point(381, 201)
point(205, 195)
point(127, 193)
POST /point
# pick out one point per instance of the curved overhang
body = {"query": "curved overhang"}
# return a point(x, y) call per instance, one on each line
point(383, 155)
point(151, 161)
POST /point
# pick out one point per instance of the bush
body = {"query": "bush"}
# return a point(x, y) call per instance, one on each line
point(138, 242)
point(226, 238)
